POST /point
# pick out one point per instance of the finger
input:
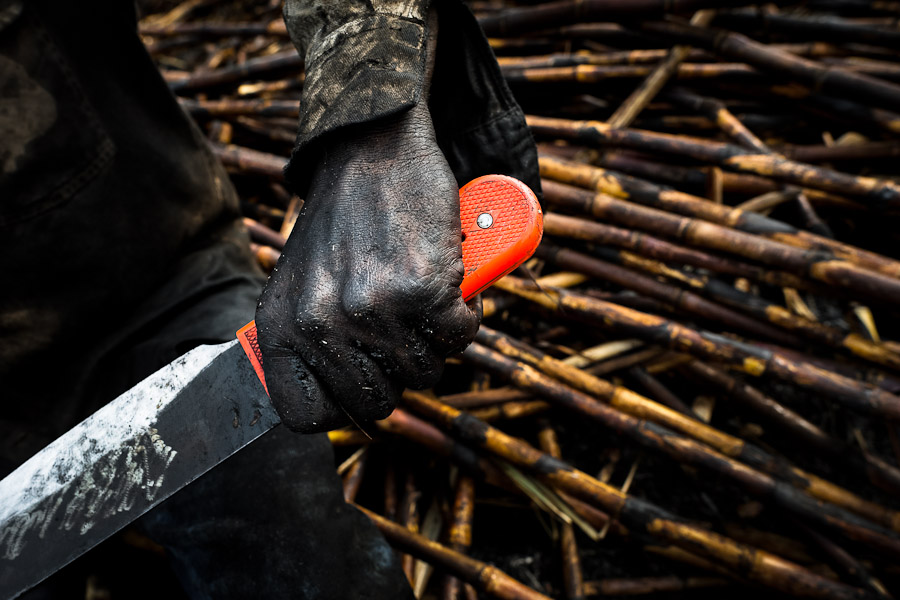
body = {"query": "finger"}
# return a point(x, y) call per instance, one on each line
point(298, 396)
point(402, 354)
point(477, 307)
point(454, 329)
point(356, 383)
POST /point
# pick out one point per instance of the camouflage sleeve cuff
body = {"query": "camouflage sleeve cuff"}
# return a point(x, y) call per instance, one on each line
point(366, 69)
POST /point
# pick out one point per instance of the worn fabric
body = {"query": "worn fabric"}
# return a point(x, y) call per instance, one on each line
point(366, 61)
point(121, 248)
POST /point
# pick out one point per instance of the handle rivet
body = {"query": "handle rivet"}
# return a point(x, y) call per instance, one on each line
point(484, 220)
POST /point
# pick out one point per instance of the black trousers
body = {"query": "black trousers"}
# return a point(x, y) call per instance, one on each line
point(121, 248)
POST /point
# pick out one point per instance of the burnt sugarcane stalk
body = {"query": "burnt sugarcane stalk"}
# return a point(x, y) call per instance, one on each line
point(209, 29)
point(851, 567)
point(645, 586)
point(879, 472)
point(879, 193)
point(661, 74)
point(638, 515)
point(410, 518)
point(647, 245)
point(865, 151)
point(460, 535)
point(719, 113)
point(727, 294)
point(626, 57)
point(253, 68)
point(681, 299)
point(646, 193)
point(698, 179)
point(826, 78)
point(249, 161)
point(553, 14)
point(352, 479)
point(638, 408)
point(573, 579)
point(811, 27)
point(605, 73)
point(659, 392)
point(753, 360)
point(825, 269)
point(479, 398)
point(510, 410)
point(264, 235)
point(228, 107)
point(782, 494)
point(843, 110)
point(483, 576)
point(410, 427)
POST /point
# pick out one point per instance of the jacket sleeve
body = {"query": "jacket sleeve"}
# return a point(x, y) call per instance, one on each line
point(365, 60)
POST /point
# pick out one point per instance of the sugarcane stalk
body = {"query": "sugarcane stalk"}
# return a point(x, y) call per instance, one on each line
point(480, 398)
point(719, 113)
point(605, 73)
point(554, 14)
point(249, 161)
point(828, 79)
point(876, 377)
point(876, 469)
point(410, 427)
point(783, 494)
point(648, 194)
point(845, 111)
point(845, 561)
point(510, 410)
point(682, 299)
point(653, 247)
point(267, 131)
point(811, 27)
point(838, 273)
point(573, 579)
point(698, 179)
point(625, 57)
point(659, 392)
point(760, 307)
point(264, 235)
point(266, 256)
point(460, 534)
point(288, 60)
point(352, 479)
point(638, 515)
point(879, 193)
point(348, 437)
point(753, 360)
point(864, 151)
point(409, 520)
point(644, 586)
point(483, 576)
point(813, 221)
point(637, 407)
point(213, 29)
point(650, 87)
point(229, 107)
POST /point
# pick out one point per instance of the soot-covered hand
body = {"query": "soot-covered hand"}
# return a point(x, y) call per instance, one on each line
point(365, 299)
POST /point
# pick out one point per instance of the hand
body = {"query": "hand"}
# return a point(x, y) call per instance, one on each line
point(365, 299)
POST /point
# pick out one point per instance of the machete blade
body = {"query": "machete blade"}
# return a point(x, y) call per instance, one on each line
point(125, 459)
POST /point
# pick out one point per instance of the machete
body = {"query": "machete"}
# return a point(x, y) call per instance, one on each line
point(192, 414)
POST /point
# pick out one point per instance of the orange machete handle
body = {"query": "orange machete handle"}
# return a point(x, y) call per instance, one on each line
point(501, 228)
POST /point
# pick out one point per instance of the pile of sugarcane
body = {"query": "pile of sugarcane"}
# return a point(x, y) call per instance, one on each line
point(696, 381)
